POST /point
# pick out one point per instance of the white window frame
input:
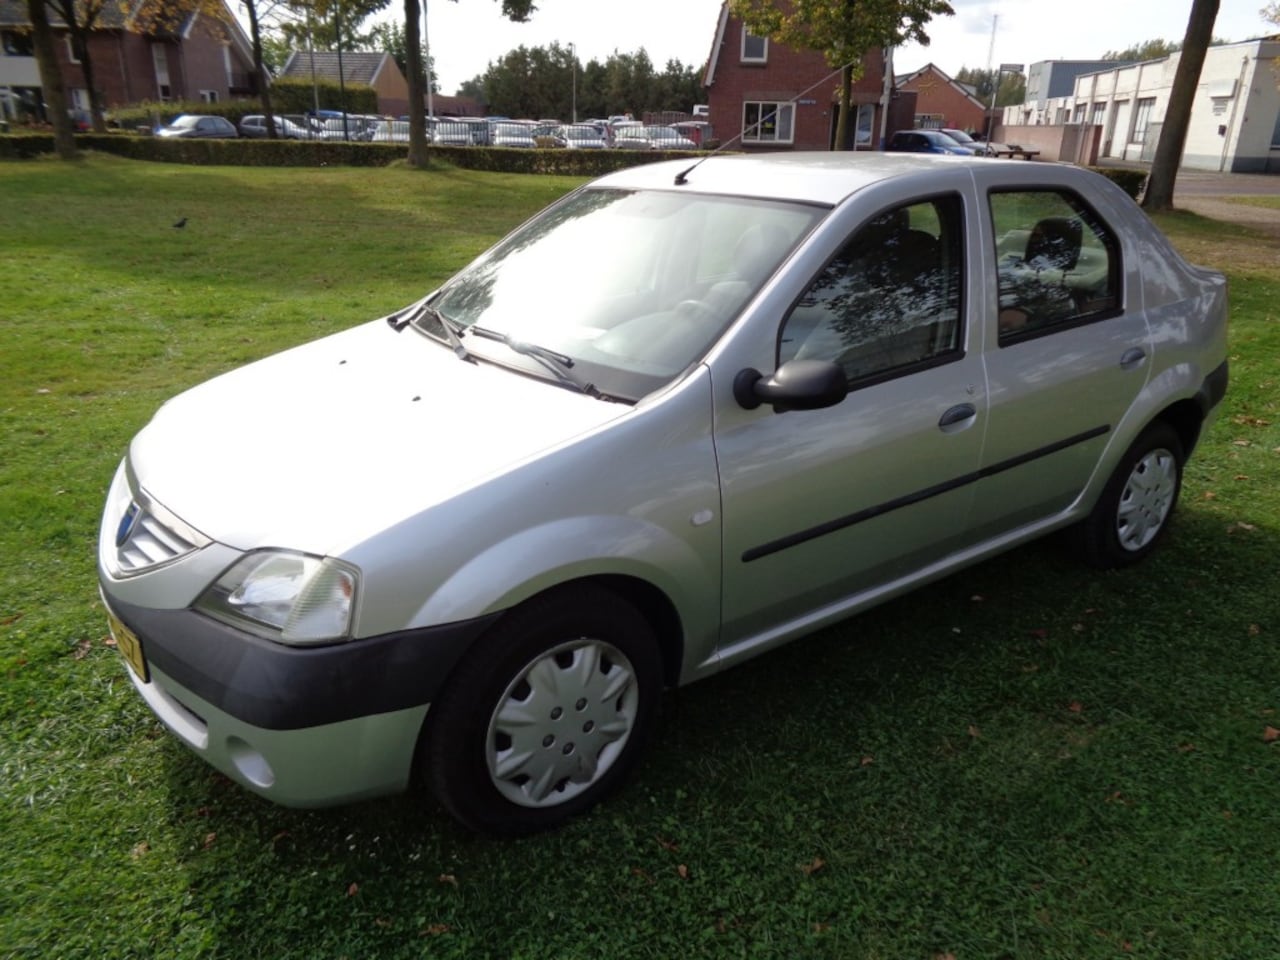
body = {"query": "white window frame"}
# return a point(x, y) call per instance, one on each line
point(1097, 113)
point(752, 134)
point(209, 96)
point(764, 54)
point(71, 50)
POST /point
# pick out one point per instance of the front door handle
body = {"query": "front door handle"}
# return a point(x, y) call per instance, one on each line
point(1132, 357)
point(957, 415)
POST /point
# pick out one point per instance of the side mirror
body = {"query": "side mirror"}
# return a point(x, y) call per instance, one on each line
point(796, 385)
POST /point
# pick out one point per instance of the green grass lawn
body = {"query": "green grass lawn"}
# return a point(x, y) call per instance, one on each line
point(1031, 760)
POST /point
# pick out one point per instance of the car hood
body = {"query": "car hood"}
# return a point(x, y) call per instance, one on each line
point(327, 444)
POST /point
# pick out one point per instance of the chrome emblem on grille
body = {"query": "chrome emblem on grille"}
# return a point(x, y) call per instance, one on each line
point(125, 529)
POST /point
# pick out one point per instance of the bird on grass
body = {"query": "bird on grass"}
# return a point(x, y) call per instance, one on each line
point(180, 224)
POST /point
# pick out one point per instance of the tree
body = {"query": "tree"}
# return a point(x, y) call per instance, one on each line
point(1177, 116)
point(390, 38)
point(55, 94)
point(843, 30)
point(1147, 50)
point(1013, 86)
point(80, 17)
point(415, 72)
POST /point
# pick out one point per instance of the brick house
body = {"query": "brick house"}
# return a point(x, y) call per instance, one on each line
point(377, 70)
point(200, 57)
point(942, 102)
point(763, 95)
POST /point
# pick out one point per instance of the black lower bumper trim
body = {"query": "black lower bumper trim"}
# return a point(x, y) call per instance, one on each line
point(279, 687)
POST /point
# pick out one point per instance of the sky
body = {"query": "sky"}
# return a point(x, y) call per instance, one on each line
point(466, 35)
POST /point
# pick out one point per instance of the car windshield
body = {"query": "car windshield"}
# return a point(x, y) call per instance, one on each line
point(644, 282)
point(511, 130)
point(959, 136)
point(184, 122)
point(582, 133)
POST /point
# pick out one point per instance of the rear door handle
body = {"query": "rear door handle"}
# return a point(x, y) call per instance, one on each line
point(1132, 357)
point(957, 415)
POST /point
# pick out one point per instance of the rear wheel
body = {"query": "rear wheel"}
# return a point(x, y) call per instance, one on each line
point(1138, 502)
point(547, 714)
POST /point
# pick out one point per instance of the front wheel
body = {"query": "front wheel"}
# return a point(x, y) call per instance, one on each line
point(547, 714)
point(1138, 501)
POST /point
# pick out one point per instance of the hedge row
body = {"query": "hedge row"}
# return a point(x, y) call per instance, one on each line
point(312, 153)
point(1130, 181)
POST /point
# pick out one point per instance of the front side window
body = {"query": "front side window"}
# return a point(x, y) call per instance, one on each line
point(754, 49)
point(891, 300)
point(643, 282)
point(1057, 263)
point(767, 122)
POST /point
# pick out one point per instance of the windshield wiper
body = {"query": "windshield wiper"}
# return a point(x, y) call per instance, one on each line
point(452, 330)
point(558, 363)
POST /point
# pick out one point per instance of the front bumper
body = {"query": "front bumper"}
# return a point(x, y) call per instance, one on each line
point(304, 727)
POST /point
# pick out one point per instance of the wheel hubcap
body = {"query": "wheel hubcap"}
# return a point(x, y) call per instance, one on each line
point(1147, 499)
point(562, 723)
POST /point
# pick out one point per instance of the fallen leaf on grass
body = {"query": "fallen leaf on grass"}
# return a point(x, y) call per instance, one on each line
point(1239, 526)
point(12, 618)
point(353, 889)
point(1208, 495)
point(821, 927)
point(974, 731)
point(434, 930)
point(108, 641)
point(867, 761)
point(1254, 630)
point(447, 878)
point(813, 866)
point(1075, 706)
point(381, 922)
point(683, 871)
point(209, 839)
point(140, 849)
point(1240, 476)
point(1240, 443)
point(638, 872)
point(82, 649)
point(669, 845)
point(1270, 734)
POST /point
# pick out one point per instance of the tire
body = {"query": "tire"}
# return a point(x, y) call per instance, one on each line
point(1137, 504)
point(547, 714)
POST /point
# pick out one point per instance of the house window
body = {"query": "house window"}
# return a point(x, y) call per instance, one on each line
point(1080, 111)
point(209, 96)
point(764, 122)
point(930, 121)
point(71, 50)
point(754, 49)
point(1142, 119)
point(160, 61)
point(226, 63)
point(17, 44)
point(1275, 134)
point(1098, 110)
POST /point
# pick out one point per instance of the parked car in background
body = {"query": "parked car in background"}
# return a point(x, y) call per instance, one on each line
point(389, 131)
point(579, 136)
point(927, 141)
point(698, 131)
point(192, 125)
point(785, 388)
point(452, 133)
point(665, 138)
point(628, 136)
point(507, 134)
point(255, 125)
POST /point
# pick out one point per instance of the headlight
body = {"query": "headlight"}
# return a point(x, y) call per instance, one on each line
point(288, 597)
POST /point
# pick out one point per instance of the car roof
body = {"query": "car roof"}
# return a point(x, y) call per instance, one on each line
point(818, 177)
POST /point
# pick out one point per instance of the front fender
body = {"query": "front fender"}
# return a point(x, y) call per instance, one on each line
point(575, 548)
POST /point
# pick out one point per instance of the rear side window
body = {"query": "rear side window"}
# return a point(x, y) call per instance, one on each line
point(891, 299)
point(1057, 263)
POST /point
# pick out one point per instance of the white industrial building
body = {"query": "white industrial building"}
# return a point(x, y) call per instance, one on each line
point(1235, 118)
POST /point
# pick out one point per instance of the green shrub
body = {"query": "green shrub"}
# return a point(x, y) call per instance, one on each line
point(1130, 181)
point(298, 96)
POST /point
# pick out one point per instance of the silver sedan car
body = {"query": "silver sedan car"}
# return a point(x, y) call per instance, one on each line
point(475, 539)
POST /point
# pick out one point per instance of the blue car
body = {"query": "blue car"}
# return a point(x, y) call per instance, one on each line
point(927, 141)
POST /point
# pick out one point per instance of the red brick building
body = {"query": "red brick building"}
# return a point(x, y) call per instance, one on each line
point(135, 58)
point(765, 96)
point(942, 102)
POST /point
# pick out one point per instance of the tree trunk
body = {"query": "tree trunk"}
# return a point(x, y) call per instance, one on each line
point(417, 88)
point(842, 118)
point(1177, 116)
point(80, 37)
point(55, 94)
point(260, 74)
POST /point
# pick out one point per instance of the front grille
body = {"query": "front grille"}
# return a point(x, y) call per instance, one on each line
point(153, 542)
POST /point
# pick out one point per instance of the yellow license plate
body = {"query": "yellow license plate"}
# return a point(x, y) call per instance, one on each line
point(129, 645)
